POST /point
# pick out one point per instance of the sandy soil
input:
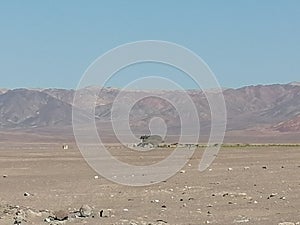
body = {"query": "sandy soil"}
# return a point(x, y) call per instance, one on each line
point(262, 186)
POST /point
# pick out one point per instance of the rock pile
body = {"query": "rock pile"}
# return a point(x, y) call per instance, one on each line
point(10, 214)
point(24, 216)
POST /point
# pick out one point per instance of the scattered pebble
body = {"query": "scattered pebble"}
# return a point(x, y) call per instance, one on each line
point(272, 195)
point(20, 217)
point(26, 194)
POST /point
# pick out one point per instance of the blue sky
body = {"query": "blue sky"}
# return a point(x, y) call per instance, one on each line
point(51, 43)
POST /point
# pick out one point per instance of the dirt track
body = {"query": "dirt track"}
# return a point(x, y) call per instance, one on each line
point(245, 194)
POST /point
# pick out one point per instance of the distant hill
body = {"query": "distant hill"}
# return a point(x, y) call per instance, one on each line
point(292, 125)
point(272, 107)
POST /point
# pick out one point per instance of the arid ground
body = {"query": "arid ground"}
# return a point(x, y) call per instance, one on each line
point(246, 185)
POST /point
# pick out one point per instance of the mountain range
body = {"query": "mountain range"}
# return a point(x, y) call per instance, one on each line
point(267, 109)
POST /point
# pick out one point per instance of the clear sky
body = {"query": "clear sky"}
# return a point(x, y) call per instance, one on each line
point(51, 43)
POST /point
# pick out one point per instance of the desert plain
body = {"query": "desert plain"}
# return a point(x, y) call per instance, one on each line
point(41, 183)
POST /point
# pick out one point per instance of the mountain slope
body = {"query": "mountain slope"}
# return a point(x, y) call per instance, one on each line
point(23, 108)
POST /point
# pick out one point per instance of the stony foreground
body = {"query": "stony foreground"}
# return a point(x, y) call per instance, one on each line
point(43, 184)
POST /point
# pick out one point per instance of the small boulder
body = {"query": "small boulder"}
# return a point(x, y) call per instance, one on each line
point(86, 211)
point(61, 215)
point(48, 220)
point(105, 213)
